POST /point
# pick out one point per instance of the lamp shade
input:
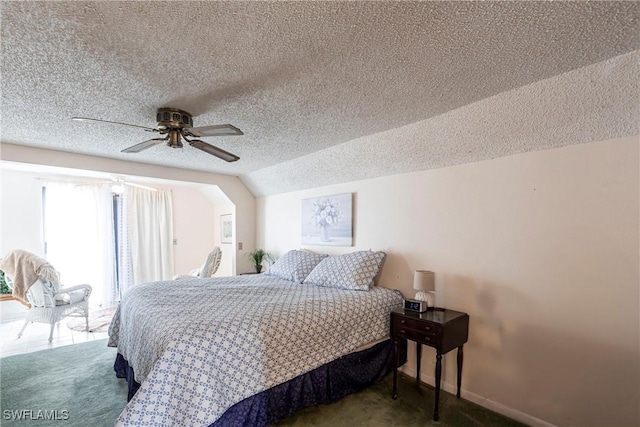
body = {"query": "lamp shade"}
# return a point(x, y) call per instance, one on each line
point(424, 280)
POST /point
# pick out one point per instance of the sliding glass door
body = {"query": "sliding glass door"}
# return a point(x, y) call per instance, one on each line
point(79, 237)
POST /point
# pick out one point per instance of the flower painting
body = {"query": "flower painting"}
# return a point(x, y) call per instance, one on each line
point(327, 220)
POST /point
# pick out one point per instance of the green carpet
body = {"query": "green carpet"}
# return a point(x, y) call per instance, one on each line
point(374, 407)
point(79, 379)
point(75, 378)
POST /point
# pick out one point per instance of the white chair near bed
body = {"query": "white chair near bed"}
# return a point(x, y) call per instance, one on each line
point(208, 269)
point(36, 283)
point(51, 303)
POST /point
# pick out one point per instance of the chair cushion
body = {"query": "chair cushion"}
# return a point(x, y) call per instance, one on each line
point(70, 298)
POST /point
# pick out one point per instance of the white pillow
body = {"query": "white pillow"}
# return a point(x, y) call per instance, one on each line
point(295, 265)
point(354, 271)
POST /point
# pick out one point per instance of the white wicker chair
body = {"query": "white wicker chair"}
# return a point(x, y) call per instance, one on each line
point(208, 269)
point(50, 303)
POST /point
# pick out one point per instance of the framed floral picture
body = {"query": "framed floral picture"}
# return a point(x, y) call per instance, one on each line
point(328, 220)
point(226, 228)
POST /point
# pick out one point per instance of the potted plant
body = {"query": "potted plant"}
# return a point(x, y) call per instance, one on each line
point(4, 289)
point(259, 258)
point(10, 309)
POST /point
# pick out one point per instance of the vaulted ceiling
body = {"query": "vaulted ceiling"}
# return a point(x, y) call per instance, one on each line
point(325, 92)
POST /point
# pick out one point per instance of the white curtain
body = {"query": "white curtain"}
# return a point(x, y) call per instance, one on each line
point(149, 216)
point(79, 235)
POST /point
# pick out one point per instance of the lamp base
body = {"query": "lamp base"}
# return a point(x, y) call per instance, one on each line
point(427, 297)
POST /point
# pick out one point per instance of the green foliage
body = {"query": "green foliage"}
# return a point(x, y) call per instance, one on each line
point(259, 258)
point(4, 289)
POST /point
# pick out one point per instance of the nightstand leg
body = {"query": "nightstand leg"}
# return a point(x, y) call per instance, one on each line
point(436, 415)
point(418, 360)
point(460, 357)
point(394, 393)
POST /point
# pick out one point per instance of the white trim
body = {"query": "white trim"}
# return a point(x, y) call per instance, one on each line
point(479, 400)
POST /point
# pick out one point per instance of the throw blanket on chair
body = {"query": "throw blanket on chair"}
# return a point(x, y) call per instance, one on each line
point(25, 268)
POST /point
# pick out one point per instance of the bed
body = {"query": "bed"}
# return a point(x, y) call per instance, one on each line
point(252, 349)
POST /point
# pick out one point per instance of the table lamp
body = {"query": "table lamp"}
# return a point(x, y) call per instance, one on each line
point(424, 282)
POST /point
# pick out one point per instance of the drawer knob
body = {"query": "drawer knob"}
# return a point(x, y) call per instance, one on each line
point(402, 331)
point(427, 328)
point(402, 321)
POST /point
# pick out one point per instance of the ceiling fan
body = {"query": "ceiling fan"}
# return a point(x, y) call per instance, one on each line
point(177, 125)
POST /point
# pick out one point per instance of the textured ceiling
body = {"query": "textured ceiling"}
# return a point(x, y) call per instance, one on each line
point(303, 80)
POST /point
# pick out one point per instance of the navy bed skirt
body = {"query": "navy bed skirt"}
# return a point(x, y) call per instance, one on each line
point(323, 385)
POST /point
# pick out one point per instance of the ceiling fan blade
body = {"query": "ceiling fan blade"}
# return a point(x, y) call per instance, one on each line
point(215, 130)
point(86, 119)
point(143, 145)
point(218, 152)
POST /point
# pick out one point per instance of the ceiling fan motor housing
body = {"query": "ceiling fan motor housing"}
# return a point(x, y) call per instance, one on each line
point(172, 118)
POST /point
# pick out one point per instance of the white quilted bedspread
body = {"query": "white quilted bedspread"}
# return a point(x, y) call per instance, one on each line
point(198, 346)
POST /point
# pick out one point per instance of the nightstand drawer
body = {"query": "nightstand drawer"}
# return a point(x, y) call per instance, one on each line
point(415, 324)
point(415, 335)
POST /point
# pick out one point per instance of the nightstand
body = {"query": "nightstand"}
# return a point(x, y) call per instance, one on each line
point(441, 329)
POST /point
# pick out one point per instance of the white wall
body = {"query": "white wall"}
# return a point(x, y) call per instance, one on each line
point(541, 249)
point(194, 228)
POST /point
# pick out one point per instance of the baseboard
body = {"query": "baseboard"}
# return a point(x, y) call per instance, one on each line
point(480, 400)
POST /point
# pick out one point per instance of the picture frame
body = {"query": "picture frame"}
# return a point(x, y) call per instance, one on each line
point(328, 220)
point(226, 228)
